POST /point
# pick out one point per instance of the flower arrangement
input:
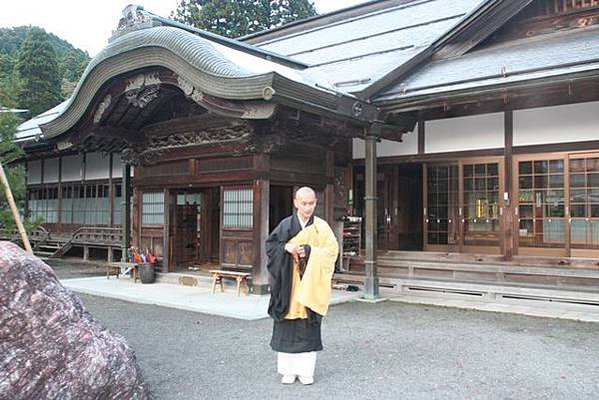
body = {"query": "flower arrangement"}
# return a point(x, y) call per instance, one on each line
point(136, 256)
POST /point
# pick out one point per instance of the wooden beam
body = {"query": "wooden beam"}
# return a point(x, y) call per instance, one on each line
point(129, 135)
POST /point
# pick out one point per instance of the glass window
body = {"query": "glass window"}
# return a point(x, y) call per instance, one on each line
point(584, 197)
point(152, 208)
point(238, 207)
point(525, 168)
point(542, 210)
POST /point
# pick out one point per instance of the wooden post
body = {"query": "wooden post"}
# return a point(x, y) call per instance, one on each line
point(371, 279)
point(167, 265)
point(421, 137)
point(261, 224)
point(508, 215)
point(126, 213)
point(110, 193)
point(13, 208)
point(59, 216)
point(329, 190)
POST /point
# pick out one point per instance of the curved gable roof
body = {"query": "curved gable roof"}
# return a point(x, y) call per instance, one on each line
point(210, 67)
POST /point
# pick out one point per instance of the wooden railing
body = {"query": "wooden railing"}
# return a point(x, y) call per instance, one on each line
point(37, 236)
point(92, 236)
point(98, 235)
point(553, 7)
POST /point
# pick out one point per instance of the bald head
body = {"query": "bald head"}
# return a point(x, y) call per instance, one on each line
point(305, 191)
point(305, 202)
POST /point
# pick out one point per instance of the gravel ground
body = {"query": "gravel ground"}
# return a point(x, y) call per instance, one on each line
point(386, 351)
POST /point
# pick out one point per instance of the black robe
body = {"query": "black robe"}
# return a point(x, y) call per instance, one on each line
point(289, 335)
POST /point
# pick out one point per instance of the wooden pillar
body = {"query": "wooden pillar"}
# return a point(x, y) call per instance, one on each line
point(329, 190)
point(59, 208)
point(371, 279)
point(126, 211)
point(110, 193)
point(261, 206)
point(421, 137)
point(508, 214)
point(166, 233)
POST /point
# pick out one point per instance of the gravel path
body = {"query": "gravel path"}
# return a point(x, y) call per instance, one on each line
point(385, 351)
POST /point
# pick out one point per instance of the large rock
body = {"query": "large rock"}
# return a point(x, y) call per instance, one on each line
point(50, 347)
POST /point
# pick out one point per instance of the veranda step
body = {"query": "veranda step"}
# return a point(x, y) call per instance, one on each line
point(43, 254)
point(488, 259)
point(490, 272)
point(482, 290)
point(494, 268)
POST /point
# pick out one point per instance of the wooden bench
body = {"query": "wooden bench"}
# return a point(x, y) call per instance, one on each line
point(219, 274)
point(121, 268)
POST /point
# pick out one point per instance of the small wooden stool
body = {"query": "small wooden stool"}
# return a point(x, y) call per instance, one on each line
point(219, 274)
point(121, 268)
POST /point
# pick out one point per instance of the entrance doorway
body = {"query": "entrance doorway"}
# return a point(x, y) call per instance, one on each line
point(463, 206)
point(557, 204)
point(281, 205)
point(409, 208)
point(399, 205)
point(194, 233)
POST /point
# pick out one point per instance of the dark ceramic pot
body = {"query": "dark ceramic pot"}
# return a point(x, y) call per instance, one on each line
point(146, 273)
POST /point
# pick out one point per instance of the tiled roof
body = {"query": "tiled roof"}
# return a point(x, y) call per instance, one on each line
point(357, 51)
point(544, 56)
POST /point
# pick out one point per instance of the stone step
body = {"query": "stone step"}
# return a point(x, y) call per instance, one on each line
point(194, 279)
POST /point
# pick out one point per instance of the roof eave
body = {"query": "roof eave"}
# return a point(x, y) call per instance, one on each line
point(419, 102)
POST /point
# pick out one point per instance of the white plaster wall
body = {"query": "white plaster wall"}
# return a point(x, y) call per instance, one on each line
point(34, 172)
point(51, 170)
point(96, 166)
point(72, 168)
point(389, 148)
point(117, 166)
point(558, 124)
point(464, 133)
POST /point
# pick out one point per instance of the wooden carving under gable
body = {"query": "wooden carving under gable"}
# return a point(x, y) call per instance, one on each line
point(147, 152)
point(143, 89)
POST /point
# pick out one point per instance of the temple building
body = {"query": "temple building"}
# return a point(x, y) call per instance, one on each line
point(464, 133)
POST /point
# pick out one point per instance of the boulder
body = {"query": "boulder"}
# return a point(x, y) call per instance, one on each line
point(50, 346)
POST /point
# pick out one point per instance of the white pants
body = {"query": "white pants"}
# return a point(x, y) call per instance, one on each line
point(301, 364)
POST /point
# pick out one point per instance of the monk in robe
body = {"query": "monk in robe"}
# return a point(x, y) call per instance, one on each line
point(302, 251)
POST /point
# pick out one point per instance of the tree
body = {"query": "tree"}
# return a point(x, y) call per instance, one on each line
point(234, 18)
point(71, 61)
point(15, 174)
point(37, 67)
